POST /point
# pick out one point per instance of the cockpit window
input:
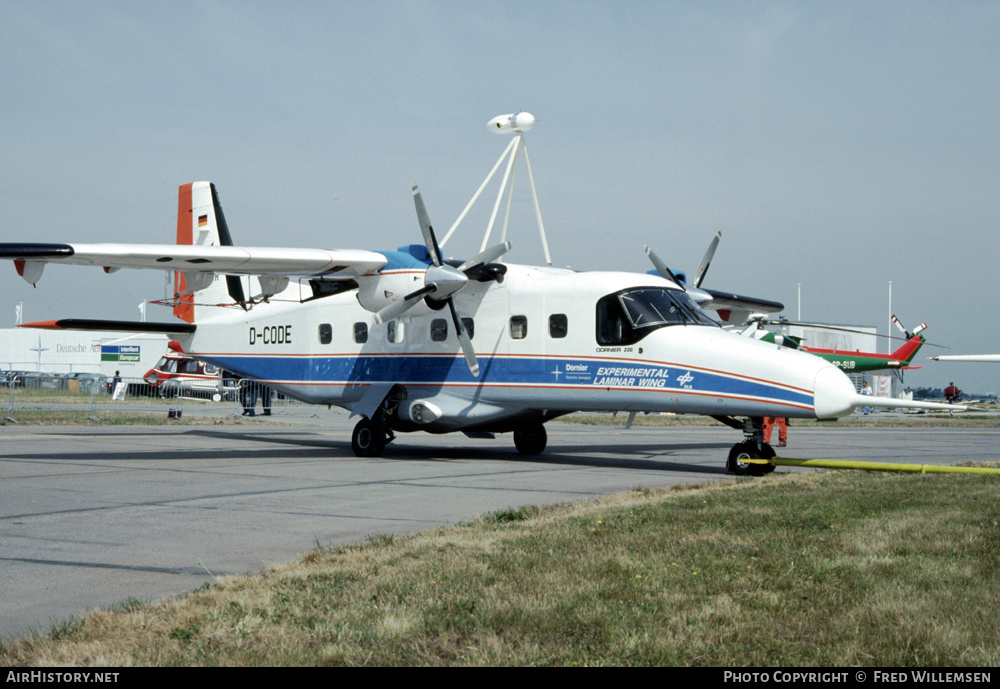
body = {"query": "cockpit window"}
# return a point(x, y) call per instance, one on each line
point(628, 316)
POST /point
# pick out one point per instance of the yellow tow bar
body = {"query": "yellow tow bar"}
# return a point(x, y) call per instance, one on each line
point(872, 466)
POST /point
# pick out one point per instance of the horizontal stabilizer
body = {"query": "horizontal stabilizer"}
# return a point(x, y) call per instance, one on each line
point(178, 327)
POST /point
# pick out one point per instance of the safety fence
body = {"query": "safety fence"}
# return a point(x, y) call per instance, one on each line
point(90, 396)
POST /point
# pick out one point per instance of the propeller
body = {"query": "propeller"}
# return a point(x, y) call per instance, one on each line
point(904, 331)
point(441, 281)
point(695, 292)
point(706, 260)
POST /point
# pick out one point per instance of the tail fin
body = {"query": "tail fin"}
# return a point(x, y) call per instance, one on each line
point(908, 350)
point(200, 222)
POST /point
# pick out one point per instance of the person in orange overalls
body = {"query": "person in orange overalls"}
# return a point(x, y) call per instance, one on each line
point(782, 422)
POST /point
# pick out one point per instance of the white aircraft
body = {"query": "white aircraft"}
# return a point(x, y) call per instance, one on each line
point(410, 342)
point(988, 358)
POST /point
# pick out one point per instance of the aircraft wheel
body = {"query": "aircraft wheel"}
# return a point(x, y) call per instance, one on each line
point(767, 452)
point(741, 452)
point(367, 439)
point(530, 440)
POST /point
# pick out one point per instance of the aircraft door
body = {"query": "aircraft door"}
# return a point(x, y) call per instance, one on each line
point(535, 332)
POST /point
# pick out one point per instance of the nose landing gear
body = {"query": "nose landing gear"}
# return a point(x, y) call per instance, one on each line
point(744, 458)
point(741, 456)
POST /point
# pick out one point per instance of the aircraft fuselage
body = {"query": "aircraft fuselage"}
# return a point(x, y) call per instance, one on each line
point(545, 346)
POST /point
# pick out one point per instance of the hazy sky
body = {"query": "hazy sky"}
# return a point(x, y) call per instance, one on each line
point(840, 145)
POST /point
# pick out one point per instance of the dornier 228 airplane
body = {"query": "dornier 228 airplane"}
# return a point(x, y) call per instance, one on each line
point(410, 342)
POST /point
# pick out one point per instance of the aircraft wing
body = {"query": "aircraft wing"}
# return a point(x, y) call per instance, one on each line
point(735, 308)
point(330, 264)
point(989, 358)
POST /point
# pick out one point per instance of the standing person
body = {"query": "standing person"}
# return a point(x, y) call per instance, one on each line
point(865, 390)
point(248, 396)
point(782, 422)
point(265, 399)
point(952, 393)
point(117, 389)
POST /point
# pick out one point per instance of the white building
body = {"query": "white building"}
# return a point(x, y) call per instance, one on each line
point(72, 351)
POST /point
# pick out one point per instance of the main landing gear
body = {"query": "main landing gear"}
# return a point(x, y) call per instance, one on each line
point(372, 435)
point(530, 439)
point(753, 447)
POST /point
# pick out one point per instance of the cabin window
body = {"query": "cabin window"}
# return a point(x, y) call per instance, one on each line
point(360, 333)
point(470, 327)
point(558, 325)
point(439, 330)
point(394, 332)
point(628, 316)
point(518, 327)
point(325, 333)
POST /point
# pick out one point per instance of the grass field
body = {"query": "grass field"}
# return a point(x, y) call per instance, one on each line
point(813, 569)
point(960, 420)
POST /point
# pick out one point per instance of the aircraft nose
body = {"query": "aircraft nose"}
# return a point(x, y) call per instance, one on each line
point(834, 395)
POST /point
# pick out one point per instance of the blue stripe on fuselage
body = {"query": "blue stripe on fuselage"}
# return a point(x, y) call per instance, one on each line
point(445, 369)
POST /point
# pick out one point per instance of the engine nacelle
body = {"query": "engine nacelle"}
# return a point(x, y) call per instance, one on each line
point(375, 292)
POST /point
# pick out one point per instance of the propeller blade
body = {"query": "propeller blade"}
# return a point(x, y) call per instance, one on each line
point(425, 227)
point(662, 268)
point(463, 338)
point(707, 260)
point(488, 256)
point(401, 306)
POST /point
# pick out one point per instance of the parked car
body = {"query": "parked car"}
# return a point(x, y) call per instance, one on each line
point(12, 379)
point(91, 383)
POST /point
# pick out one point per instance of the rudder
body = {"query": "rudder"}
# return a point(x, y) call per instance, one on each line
point(200, 222)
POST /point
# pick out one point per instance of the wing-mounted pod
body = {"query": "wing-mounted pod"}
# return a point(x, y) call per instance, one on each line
point(30, 258)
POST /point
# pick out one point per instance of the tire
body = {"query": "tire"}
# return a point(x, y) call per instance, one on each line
point(367, 439)
point(767, 452)
point(749, 450)
point(530, 440)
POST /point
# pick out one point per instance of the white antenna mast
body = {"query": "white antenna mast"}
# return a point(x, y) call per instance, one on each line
point(517, 124)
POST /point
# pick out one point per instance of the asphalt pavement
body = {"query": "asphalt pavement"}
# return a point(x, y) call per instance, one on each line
point(94, 516)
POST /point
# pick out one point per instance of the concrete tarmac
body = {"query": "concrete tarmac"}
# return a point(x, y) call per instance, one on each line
point(92, 516)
